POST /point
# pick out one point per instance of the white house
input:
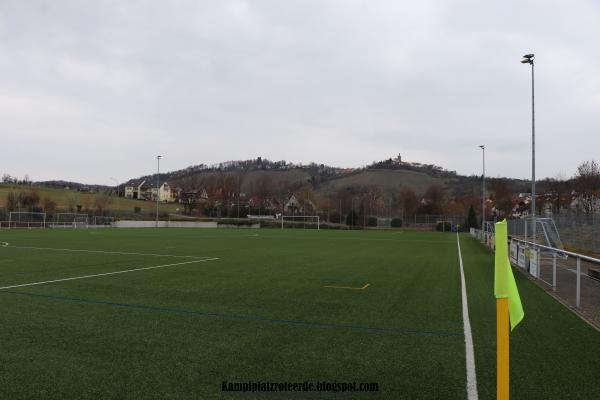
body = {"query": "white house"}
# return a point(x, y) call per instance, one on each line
point(144, 191)
point(166, 194)
point(135, 190)
point(293, 206)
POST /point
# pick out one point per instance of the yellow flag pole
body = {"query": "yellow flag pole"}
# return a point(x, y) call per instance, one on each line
point(502, 350)
point(509, 310)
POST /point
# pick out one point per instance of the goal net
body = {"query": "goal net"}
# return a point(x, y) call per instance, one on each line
point(71, 219)
point(300, 221)
point(546, 232)
point(19, 219)
point(103, 221)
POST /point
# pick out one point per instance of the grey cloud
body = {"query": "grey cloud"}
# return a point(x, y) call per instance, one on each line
point(340, 82)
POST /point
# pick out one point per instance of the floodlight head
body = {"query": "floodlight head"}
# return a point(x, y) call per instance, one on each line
point(529, 56)
point(481, 146)
point(526, 61)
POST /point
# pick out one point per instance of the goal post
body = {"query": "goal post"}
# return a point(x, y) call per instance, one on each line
point(22, 219)
point(70, 217)
point(100, 220)
point(304, 218)
point(76, 220)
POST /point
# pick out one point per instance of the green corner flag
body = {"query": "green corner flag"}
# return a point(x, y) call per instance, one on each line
point(504, 280)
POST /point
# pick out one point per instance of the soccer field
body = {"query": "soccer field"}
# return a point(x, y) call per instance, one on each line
point(174, 313)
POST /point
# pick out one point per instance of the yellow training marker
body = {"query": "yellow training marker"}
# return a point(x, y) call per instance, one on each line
point(348, 287)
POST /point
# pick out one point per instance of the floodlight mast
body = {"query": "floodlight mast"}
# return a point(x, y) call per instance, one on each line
point(482, 147)
point(157, 186)
point(528, 59)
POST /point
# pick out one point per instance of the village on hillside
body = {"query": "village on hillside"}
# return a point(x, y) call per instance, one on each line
point(368, 196)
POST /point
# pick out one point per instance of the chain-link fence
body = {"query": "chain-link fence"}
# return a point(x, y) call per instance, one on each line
point(579, 231)
point(430, 221)
point(575, 231)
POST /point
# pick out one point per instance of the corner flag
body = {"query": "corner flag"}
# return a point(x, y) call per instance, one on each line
point(508, 303)
point(504, 280)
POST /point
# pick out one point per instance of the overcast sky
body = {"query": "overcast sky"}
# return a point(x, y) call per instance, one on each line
point(93, 90)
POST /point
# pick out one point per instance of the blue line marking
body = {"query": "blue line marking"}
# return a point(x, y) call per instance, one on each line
point(179, 311)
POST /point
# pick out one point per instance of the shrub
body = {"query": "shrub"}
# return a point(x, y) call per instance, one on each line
point(444, 226)
point(232, 221)
point(396, 223)
point(352, 219)
point(335, 217)
point(372, 221)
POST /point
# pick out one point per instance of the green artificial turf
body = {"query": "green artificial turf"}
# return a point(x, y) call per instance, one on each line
point(553, 353)
point(260, 312)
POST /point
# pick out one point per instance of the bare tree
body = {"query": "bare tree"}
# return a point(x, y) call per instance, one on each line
point(101, 202)
point(560, 193)
point(587, 183)
point(408, 201)
point(263, 188)
point(436, 199)
point(502, 196)
point(12, 201)
point(29, 200)
point(72, 200)
point(48, 205)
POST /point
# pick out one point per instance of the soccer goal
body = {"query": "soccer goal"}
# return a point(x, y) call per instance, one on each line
point(300, 221)
point(546, 231)
point(20, 219)
point(71, 219)
point(100, 220)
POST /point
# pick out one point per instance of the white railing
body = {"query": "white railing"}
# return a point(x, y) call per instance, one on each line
point(555, 267)
point(535, 252)
point(43, 225)
point(284, 217)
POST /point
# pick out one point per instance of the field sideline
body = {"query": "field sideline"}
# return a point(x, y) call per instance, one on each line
point(174, 313)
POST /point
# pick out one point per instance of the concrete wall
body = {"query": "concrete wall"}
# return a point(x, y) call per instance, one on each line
point(166, 224)
point(233, 226)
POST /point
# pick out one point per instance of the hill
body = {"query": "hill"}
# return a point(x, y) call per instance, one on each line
point(388, 181)
point(389, 176)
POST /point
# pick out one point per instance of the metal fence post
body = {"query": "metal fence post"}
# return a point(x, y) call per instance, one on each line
point(578, 299)
point(537, 257)
point(554, 272)
point(593, 230)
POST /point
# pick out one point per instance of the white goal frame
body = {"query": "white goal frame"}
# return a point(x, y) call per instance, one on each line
point(76, 217)
point(76, 220)
point(30, 224)
point(283, 217)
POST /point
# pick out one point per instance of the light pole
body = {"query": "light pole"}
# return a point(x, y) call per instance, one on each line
point(157, 185)
point(482, 147)
point(528, 59)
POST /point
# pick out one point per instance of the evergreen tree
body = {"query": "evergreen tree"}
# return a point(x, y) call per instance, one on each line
point(472, 221)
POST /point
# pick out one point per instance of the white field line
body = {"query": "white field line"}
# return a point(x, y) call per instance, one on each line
point(107, 273)
point(398, 240)
point(4, 244)
point(470, 354)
